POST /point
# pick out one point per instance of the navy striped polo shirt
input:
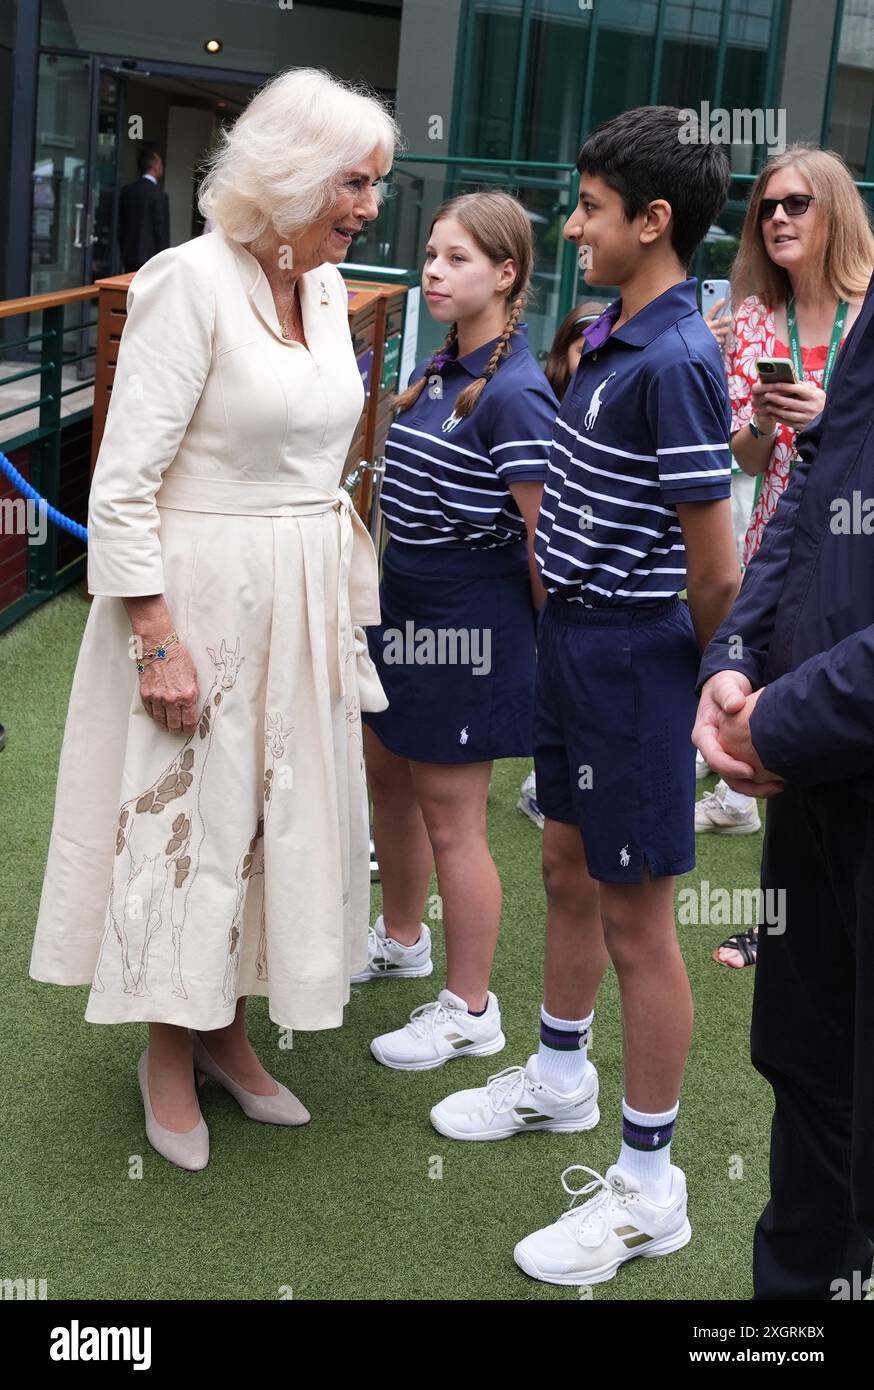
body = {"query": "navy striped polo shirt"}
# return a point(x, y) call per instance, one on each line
point(643, 425)
point(447, 480)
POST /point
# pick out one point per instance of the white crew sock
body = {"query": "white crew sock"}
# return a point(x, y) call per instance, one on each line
point(563, 1052)
point(650, 1165)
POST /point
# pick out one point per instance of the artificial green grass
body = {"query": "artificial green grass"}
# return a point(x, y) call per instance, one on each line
point(345, 1207)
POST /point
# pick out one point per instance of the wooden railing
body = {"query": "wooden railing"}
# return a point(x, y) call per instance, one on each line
point(32, 571)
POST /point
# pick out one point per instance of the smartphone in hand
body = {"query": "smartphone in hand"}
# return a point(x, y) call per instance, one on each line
point(711, 293)
point(776, 371)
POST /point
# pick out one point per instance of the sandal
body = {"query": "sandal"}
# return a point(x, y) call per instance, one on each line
point(745, 943)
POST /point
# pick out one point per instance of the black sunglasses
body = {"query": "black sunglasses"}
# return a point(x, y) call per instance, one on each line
point(794, 205)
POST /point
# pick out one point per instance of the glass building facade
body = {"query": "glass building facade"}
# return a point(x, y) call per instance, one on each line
point(541, 73)
point(850, 115)
point(488, 93)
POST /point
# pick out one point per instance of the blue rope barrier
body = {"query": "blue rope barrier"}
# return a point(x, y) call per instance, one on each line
point(24, 487)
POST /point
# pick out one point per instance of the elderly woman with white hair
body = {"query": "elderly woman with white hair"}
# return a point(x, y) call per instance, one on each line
point(210, 836)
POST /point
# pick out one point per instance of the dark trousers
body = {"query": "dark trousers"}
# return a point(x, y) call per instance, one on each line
point(813, 1040)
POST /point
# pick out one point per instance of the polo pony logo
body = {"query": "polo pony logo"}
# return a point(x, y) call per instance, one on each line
point(595, 403)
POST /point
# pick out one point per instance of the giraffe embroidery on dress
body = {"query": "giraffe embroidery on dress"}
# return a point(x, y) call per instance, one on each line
point(251, 862)
point(138, 905)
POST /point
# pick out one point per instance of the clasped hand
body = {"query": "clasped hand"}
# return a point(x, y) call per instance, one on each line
point(722, 735)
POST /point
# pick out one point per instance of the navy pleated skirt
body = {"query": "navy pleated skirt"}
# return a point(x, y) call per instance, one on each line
point(455, 652)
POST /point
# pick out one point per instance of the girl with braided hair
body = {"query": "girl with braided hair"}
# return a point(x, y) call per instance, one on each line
point(466, 458)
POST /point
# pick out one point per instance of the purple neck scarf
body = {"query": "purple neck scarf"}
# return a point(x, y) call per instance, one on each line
point(598, 332)
point(441, 359)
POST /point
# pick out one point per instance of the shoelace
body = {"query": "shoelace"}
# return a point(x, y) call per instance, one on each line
point(376, 949)
point(429, 1015)
point(592, 1218)
point(505, 1089)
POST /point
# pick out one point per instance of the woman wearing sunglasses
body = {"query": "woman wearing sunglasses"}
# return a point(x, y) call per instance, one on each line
point(805, 258)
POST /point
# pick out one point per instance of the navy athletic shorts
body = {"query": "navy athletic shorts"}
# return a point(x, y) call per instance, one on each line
point(614, 708)
point(468, 710)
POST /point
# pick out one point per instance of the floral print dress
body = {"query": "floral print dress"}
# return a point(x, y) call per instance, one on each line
point(754, 335)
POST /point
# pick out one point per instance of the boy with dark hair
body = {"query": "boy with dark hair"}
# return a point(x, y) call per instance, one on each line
point(636, 508)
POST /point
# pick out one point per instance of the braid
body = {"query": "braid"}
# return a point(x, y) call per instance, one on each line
point(471, 394)
point(405, 399)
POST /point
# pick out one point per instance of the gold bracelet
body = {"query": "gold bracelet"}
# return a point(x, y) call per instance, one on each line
point(157, 653)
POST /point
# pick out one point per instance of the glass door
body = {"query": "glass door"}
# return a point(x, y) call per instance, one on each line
point(102, 250)
point(63, 202)
point(61, 211)
point(73, 189)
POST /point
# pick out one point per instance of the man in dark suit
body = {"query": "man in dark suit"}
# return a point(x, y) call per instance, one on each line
point(144, 214)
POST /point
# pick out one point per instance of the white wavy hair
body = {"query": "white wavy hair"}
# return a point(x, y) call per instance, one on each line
point(278, 166)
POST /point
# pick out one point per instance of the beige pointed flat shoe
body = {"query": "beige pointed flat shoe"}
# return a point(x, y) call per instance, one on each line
point(280, 1109)
point(189, 1150)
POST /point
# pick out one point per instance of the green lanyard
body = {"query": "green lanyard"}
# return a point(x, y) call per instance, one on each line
point(837, 335)
point(795, 350)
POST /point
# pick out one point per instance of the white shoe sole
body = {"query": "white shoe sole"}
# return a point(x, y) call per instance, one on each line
point(405, 972)
point(547, 1126)
point(484, 1049)
point(666, 1246)
point(728, 829)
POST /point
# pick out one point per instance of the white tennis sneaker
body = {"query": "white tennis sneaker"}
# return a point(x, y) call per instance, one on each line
point(516, 1101)
point(713, 815)
point(436, 1032)
point(589, 1243)
point(390, 960)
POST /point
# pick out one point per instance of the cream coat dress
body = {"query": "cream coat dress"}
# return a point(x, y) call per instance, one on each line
point(184, 872)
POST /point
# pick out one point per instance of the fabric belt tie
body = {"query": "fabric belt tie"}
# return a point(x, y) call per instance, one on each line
point(358, 571)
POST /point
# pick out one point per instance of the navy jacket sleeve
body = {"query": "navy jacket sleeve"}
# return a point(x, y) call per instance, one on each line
point(752, 617)
point(816, 723)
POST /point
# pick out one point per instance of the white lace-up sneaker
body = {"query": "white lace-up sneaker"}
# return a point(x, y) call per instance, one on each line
point(389, 960)
point(712, 814)
point(436, 1032)
point(589, 1243)
point(702, 769)
point(516, 1101)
